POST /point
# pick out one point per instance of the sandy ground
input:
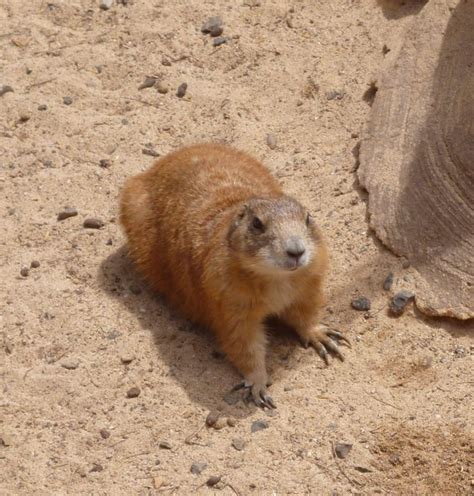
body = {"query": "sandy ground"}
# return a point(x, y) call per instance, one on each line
point(297, 70)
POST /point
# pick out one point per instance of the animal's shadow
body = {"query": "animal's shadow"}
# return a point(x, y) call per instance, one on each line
point(190, 354)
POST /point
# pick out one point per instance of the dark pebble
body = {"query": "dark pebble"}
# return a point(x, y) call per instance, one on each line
point(399, 302)
point(212, 418)
point(166, 62)
point(150, 152)
point(213, 26)
point(67, 100)
point(197, 468)
point(105, 163)
point(109, 242)
point(148, 83)
point(232, 397)
point(271, 141)
point(259, 425)
point(165, 445)
point(35, 264)
point(362, 470)
point(24, 271)
point(42, 107)
point(238, 444)
point(335, 95)
point(182, 88)
point(212, 481)
point(66, 213)
point(92, 223)
point(134, 392)
point(104, 434)
point(5, 88)
point(387, 284)
point(219, 41)
point(342, 449)
point(97, 467)
point(361, 304)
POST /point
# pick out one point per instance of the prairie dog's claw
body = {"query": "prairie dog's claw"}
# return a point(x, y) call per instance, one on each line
point(324, 340)
point(257, 394)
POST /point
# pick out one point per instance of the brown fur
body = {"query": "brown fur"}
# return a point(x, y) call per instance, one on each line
point(188, 220)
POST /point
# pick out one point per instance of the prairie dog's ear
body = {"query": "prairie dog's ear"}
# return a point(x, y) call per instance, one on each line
point(244, 209)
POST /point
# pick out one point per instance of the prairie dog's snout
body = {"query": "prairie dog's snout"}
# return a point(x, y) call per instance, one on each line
point(296, 249)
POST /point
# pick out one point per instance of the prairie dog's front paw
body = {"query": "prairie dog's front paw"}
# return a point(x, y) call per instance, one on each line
point(324, 339)
point(256, 392)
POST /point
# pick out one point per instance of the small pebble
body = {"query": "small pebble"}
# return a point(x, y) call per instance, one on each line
point(213, 26)
point(150, 152)
point(24, 271)
point(361, 304)
point(109, 242)
point(335, 95)
point(104, 434)
point(134, 392)
point(93, 223)
point(182, 88)
point(399, 302)
point(362, 470)
point(105, 163)
point(259, 425)
point(165, 445)
point(42, 107)
point(162, 88)
point(213, 480)
point(387, 284)
point(24, 117)
point(148, 83)
point(166, 62)
point(271, 141)
point(106, 4)
point(35, 264)
point(212, 418)
point(231, 421)
point(197, 468)
point(238, 444)
point(342, 449)
point(219, 41)
point(127, 358)
point(5, 88)
point(220, 423)
point(69, 364)
point(66, 213)
point(67, 100)
point(232, 397)
point(97, 467)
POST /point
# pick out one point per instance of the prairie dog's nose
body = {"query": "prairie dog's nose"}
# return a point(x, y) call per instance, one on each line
point(295, 248)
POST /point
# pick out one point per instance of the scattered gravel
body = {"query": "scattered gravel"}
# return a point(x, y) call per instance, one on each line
point(342, 449)
point(238, 444)
point(149, 82)
point(24, 271)
point(5, 88)
point(400, 301)
point(271, 141)
point(93, 223)
point(182, 88)
point(259, 425)
point(133, 392)
point(219, 41)
point(67, 100)
point(197, 467)
point(387, 284)
point(69, 364)
point(106, 4)
point(66, 213)
point(213, 26)
point(35, 264)
point(361, 304)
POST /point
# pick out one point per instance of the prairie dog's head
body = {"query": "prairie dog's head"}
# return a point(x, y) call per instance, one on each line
point(274, 235)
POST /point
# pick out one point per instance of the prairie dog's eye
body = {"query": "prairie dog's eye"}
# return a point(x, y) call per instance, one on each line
point(309, 219)
point(257, 224)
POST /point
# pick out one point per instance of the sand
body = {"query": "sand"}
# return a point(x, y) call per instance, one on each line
point(81, 330)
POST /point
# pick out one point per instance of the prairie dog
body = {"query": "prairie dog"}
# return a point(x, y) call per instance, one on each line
point(210, 229)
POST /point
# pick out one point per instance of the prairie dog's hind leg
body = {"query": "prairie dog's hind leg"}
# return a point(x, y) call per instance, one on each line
point(245, 346)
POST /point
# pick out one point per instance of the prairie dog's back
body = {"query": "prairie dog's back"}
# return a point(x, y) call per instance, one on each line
point(177, 214)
